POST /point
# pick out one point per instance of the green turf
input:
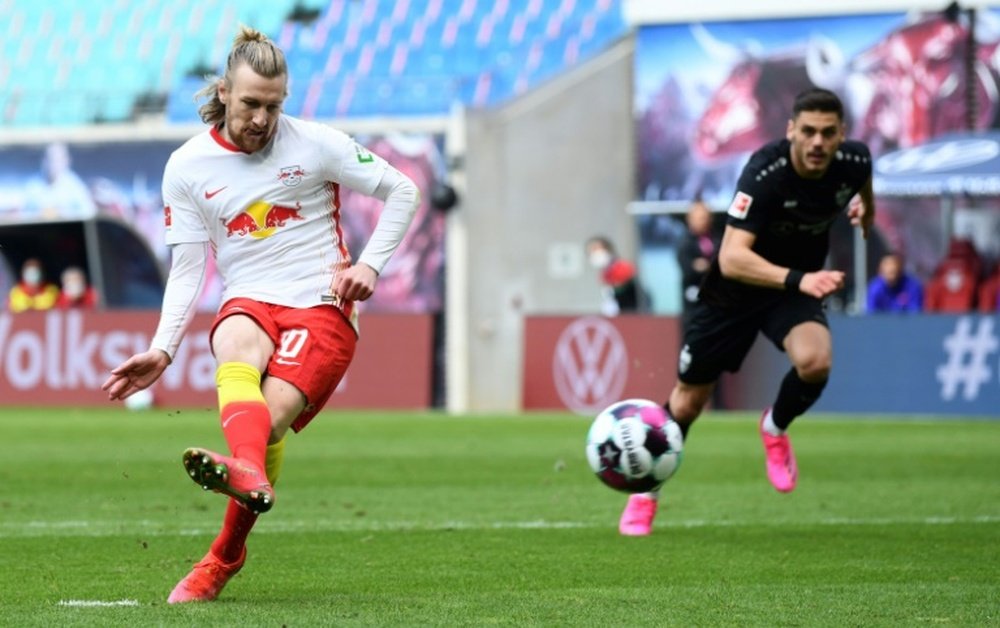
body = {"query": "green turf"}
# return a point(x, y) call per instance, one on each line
point(423, 520)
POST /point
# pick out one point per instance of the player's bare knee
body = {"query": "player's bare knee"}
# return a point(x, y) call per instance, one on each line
point(815, 368)
point(278, 432)
point(282, 418)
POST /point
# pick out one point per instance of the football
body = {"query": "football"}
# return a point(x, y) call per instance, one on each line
point(633, 446)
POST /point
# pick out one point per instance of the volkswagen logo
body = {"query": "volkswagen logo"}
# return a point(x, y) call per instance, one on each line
point(590, 365)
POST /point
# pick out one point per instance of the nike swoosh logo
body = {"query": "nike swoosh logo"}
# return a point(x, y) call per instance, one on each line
point(286, 362)
point(209, 195)
point(231, 417)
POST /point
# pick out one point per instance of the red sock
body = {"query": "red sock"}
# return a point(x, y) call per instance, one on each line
point(236, 527)
point(247, 426)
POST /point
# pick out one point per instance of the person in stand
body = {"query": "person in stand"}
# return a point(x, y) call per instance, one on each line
point(893, 289)
point(261, 191)
point(32, 292)
point(769, 278)
point(76, 293)
point(694, 255)
point(622, 293)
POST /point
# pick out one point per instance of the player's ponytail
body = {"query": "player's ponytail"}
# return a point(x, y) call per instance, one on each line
point(253, 48)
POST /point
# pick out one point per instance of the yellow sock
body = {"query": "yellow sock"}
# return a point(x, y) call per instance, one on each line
point(246, 420)
point(273, 461)
point(237, 381)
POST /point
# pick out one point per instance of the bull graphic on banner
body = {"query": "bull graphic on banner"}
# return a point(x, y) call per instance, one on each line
point(900, 91)
point(709, 94)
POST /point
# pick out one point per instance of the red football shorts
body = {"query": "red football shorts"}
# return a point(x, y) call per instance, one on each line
point(312, 347)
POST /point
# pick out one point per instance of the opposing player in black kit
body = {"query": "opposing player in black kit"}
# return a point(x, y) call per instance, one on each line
point(768, 277)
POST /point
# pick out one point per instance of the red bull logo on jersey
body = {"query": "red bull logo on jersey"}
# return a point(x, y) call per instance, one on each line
point(291, 175)
point(261, 220)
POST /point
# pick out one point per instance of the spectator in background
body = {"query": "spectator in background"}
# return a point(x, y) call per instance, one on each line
point(76, 292)
point(8, 277)
point(953, 286)
point(32, 292)
point(893, 289)
point(694, 254)
point(618, 276)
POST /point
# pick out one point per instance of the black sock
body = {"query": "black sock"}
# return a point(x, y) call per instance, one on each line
point(794, 398)
point(684, 426)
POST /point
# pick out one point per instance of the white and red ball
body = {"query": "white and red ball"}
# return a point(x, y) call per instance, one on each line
point(634, 446)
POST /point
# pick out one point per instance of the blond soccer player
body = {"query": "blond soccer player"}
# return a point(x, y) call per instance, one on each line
point(261, 191)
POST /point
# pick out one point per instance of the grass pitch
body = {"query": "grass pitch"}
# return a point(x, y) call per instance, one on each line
point(422, 520)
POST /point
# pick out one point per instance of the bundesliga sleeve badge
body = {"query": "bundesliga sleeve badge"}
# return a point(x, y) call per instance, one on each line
point(740, 206)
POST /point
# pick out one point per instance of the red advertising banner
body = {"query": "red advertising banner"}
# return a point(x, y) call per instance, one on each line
point(584, 364)
point(62, 358)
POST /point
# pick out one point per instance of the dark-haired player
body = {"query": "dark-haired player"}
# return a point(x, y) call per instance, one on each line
point(769, 278)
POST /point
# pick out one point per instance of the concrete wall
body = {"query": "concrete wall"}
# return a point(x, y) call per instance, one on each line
point(537, 178)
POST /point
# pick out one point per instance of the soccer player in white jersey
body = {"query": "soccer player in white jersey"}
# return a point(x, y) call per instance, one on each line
point(260, 191)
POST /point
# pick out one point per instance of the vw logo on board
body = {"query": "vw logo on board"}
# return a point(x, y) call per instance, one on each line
point(590, 365)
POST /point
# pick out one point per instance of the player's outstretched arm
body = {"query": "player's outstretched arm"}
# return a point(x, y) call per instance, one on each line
point(401, 197)
point(180, 297)
point(135, 374)
point(862, 209)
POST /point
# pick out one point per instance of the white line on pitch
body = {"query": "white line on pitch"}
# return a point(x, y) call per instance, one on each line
point(96, 603)
point(157, 528)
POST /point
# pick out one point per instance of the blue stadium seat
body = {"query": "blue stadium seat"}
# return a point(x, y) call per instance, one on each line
point(128, 48)
point(425, 96)
point(297, 90)
point(181, 106)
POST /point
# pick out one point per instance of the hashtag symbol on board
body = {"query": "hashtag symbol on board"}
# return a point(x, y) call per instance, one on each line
point(966, 367)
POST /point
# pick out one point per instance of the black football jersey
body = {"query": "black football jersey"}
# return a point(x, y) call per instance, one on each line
point(790, 216)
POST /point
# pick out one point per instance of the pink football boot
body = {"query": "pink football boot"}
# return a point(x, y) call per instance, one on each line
point(232, 476)
point(637, 518)
point(206, 580)
point(781, 468)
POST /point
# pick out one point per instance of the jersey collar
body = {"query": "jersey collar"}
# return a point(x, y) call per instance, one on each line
point(216, 134)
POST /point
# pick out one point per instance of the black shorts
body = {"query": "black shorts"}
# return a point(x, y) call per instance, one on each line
point(718, 339)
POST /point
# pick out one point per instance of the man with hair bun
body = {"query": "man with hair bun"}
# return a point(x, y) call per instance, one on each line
point(260, 191)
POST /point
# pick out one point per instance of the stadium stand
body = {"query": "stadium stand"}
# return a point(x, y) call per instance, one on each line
point(77, 63)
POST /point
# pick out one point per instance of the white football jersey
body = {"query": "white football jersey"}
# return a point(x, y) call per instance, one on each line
point(273, 216)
